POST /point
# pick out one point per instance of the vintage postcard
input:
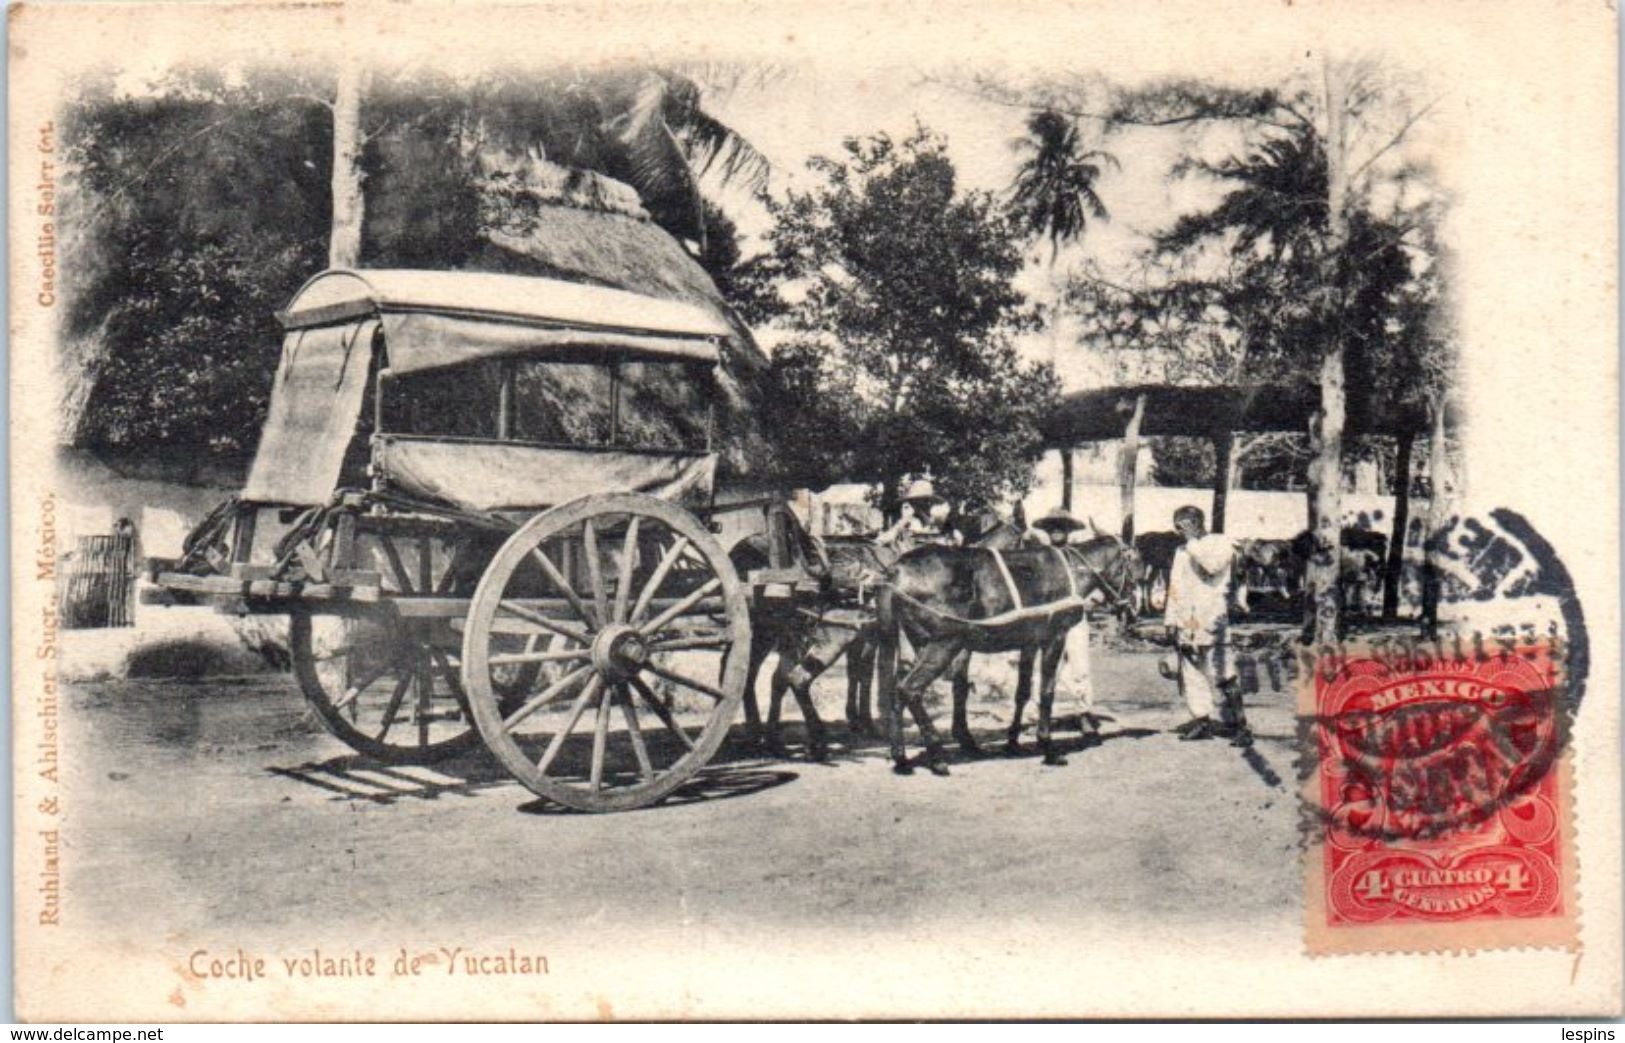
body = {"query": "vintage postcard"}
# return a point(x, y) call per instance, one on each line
point(590, 511)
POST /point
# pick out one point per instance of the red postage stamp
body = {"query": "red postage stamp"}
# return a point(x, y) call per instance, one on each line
point(1438, 802)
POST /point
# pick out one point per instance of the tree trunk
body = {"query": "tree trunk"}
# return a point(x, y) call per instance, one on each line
point(1239, 449)
point(1127, 466)
point(1224, 445)
point(1393, 573)
point(1066, 479)
point(1327, 513)
point(344, 245)
point(1433, 529)
point(1327, 508)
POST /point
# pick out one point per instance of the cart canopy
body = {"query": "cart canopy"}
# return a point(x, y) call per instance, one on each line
point(434, 319)
point(431, 320)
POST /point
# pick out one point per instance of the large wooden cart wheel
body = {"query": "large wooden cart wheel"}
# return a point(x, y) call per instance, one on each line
point(645, 683)
point(382, 684)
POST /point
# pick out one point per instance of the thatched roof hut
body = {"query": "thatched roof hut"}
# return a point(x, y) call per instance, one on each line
point(585, 228)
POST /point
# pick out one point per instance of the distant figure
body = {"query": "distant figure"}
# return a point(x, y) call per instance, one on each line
point(923, 518)
point(1198, 620)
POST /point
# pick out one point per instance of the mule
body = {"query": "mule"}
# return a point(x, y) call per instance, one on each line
point(778, 627)
point(952, 600)
point(808, 644)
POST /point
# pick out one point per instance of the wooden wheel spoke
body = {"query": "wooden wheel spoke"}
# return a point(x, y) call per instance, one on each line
point(688, 682)
point(557, 579)
point(395, 702)
point(680, 607)
point(580, 637)
point(425, 682)
point(547, 695)
point(555, 744)
point(595, 570)
point(623, 582)
point(447, 671)
point(390, 693)
point(636, 735)
point(600, 738)
point(515, 658)
point(661, 712)
point(352, 693)
point(651, 588)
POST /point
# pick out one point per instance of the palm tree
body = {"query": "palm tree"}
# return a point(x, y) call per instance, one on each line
point(643, 126)
point(1276, 205)
point(1053, 194)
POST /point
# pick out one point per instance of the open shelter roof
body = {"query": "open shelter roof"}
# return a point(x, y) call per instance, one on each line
point(1102, 414)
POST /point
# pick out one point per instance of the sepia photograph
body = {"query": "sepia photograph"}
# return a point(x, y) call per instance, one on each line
point(814, 511)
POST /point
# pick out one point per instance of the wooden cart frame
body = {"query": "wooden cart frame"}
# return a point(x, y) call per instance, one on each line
point(477, 587)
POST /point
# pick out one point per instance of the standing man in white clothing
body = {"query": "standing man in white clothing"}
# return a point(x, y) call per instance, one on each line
point(1198, 618)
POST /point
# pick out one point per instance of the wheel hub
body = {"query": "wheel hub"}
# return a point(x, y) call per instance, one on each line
point(619, 652)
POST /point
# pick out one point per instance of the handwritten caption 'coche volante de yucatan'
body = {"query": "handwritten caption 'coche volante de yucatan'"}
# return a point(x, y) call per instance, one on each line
point(242, 966)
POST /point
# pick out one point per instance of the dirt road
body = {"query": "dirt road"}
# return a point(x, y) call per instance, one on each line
point(220, 810)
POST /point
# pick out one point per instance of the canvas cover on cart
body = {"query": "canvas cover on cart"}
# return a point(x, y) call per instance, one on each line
point(315, 401)
point(434, 320)
point(491, 476)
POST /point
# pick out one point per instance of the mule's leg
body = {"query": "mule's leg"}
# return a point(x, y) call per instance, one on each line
point(1049, 667)
point(775, 706)
point(853, 658)
point(886, 676)
point(759, 649)
point(962, 733)
point(798, 679)
point(860, 673)
point(1024, 691)
point(935, 658)
point(866, 649)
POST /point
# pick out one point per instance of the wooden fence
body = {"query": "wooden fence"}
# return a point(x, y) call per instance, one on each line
point(98, 582)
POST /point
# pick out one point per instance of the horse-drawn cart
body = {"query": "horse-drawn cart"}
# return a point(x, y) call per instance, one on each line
point(484, 502)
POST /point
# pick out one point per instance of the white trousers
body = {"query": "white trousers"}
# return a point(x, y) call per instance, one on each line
point(1075, 680)
point(1203, 669)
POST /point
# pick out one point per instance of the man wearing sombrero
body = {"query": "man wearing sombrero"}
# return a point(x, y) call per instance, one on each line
point(922, 518)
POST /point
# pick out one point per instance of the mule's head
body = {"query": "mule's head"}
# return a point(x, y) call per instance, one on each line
point(1116, 570)
point(1130, 578)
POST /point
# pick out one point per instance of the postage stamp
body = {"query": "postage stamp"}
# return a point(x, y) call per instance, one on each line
point(1438, 793)
point(1445, 818)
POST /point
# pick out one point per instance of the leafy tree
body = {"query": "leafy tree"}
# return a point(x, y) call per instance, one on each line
point(1302, 216)
point(194, 214)
point(896, 288)
point(1182, 462)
